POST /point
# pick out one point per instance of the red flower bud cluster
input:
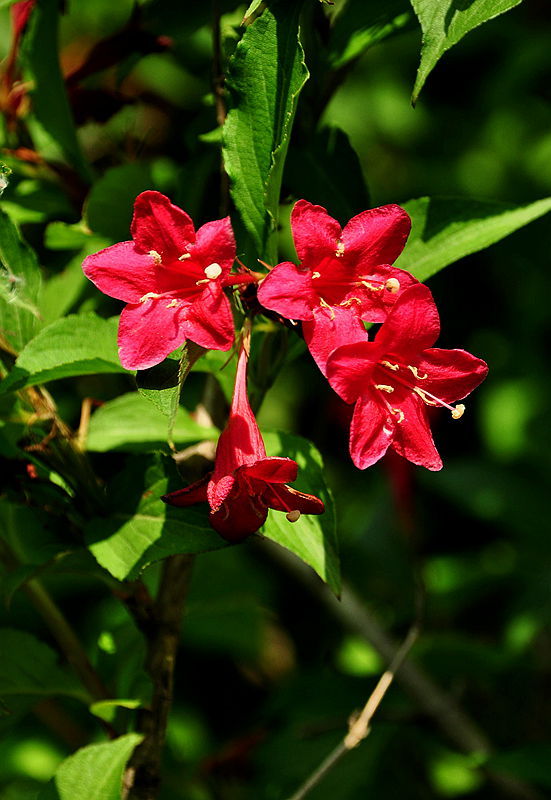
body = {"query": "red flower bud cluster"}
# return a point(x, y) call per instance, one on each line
point(173, 280)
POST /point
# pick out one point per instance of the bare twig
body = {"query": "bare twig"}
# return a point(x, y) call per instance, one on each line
point(160, 622)
point(436, 703)
point(359, 725)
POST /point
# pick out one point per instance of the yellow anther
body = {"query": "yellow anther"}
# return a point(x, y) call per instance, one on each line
point(184, 256)
point(346, 303)
point(293, 516)
point(400, 414)
point(172, 304)
point(213, 271)
point(384, 387)
point(458, 411)
point(393, 285)
point(149, 296)
point(316, 274)
point(155, 256)
point(393, 367)
point(416, 373)
point(203, 280)
point(339, 252)
point(324, 304)
point(372, 286)
point(423, 395)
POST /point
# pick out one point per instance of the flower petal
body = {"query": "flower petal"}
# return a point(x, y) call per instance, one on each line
point(189, 495)
point(412, 325)
point(315, 233)
point(375, 303)
point(272, 470)
point(349, 369)
point(121, 271)
point(331, 328)
point(413, 438)
point(378, 235)
point(452, 374)
point(159, 225)
point(239, 517)
point(371, 432)
point(285, 498)
point(287, 289)
point(148, 332)
point(209, 320)
point(215, 244)
point(240, 443)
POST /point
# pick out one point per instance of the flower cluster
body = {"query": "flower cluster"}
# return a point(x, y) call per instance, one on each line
point(173, 280)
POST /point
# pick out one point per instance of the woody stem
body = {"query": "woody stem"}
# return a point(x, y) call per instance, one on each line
point(160, 622)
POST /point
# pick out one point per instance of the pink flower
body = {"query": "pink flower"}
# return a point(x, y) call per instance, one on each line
point(245, 483)
point(173, 280)
point(393, 379)
point(344, 275)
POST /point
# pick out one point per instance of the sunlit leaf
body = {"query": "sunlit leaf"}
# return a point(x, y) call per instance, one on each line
point(94, 772)
point(362, 24)
point(445, 22)
point(267, 72)
point(312, 538)
point(445, 229)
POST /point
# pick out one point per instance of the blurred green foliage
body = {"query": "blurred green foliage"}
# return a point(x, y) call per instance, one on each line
point(266, 680)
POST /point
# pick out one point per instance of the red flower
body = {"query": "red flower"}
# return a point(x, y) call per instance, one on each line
point(245, 483)
point(344, 276)
point(172, 279)
point(393, 380)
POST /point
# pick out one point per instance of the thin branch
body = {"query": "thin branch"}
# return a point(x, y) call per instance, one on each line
point(359, 725)
point(160, 622)
point(436, 703)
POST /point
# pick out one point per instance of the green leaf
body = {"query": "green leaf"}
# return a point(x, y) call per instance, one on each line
point(143, 529)
point(131, 424)
point(62, 291)
point(61, 236)
point(51, 123)
point(361, 25)
point(110, 204)
point(266, 75)
point(107, 709)
point(445, 22)
point(445, 229)
point(315, 171)
point(29, 667)
point(94, 772)
point(312, 538)
point(19, 287)
point(80, 344)
point(162, 384)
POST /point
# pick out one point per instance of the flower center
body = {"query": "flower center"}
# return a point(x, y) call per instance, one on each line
point(395, 371)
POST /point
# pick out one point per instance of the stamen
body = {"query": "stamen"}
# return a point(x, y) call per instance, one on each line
point(213, 271)
point(293, 516)
point(393, 367)
point(155, 256)
point(339, 252)
point(458, 411)
point(316, 275)
point(416, 373)
point(150, 296)
point(324, 304)
point(393, 285)
point(400, 414)
point(203, 280)
point(372, 286)
point(425, 397)
point(184, 256)
point(172, 304)
point(346, 303)
point(384, 387)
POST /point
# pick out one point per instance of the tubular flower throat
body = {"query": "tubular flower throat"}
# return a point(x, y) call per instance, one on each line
point(397, 377)
point(172, 279)
point(245, 482)
point(345, 275)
